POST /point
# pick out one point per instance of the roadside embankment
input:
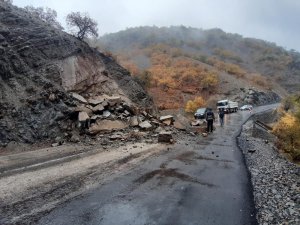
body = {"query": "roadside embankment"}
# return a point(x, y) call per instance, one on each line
point(275, 180)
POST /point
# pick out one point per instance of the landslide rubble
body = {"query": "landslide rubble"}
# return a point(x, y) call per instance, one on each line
point(40, 68)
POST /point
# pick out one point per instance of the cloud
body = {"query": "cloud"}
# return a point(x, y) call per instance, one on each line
point(272, 20)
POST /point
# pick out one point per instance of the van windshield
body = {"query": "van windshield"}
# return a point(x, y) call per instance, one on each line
point(201, 110)
point(222, 103)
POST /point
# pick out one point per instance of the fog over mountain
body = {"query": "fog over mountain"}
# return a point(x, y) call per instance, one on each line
point(274, 21)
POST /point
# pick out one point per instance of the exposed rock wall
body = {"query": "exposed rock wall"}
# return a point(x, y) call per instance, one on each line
point(38, 65)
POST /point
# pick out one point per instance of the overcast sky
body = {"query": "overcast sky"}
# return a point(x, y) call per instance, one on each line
point(272, 20)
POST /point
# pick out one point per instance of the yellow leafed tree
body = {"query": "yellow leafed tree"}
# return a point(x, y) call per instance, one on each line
point(193, 105)
point(288, 132)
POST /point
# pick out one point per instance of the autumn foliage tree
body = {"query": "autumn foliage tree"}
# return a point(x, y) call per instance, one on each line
point(84, 26)
point(287, 128)
point(192, 105)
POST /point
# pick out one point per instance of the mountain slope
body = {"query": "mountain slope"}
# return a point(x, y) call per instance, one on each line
point(38, 61)
point(245, 61)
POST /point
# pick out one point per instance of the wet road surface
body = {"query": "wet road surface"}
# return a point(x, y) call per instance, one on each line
point(200, 180)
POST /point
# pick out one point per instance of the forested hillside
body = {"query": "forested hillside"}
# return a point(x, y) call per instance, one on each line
point(182, 63)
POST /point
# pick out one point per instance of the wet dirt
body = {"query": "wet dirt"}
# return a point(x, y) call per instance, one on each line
point(164, 173)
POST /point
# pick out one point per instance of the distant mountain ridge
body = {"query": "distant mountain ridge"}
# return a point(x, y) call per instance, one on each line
point(252, 55)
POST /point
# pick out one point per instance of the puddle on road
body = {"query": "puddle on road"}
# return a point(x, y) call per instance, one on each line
point(163, 173)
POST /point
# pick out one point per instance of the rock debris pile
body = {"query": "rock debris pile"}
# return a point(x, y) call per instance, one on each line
point(103, 115)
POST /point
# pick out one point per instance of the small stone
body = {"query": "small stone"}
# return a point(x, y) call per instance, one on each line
point(115, 137)
point(75, 138)
point(55, 144)
point(167, 122)
point(79, 98)
point(83, 116)
point(146, 125)
point(134, 121)
point(52, 97)
point(196, 123)
point(106, 113)
point(98, 108)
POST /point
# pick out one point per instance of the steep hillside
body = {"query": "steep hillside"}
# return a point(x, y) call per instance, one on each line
point(38, 65)
point(187, 59)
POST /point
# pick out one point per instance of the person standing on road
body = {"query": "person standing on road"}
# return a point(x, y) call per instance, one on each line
point(221, 117)
point(210, 117)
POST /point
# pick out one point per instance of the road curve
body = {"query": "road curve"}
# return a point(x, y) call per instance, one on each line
point(200, 180)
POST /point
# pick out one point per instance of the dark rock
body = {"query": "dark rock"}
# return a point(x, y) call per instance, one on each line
point(165, 137)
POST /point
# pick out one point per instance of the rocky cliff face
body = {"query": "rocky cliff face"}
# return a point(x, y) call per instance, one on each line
point(39, 65)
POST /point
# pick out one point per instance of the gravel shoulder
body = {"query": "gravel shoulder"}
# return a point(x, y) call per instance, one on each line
point(275, 180)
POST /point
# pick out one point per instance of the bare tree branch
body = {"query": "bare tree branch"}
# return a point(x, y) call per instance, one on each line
point(46, 14)
point(84, 25)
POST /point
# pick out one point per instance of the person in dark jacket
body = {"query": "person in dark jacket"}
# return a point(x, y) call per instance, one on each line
point(221, 116)
point(210, 117)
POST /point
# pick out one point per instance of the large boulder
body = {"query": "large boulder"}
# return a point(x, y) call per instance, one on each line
point(107, 126)
point(178, 125)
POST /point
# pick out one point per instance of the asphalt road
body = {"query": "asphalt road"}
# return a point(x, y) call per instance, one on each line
point(199, 180)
